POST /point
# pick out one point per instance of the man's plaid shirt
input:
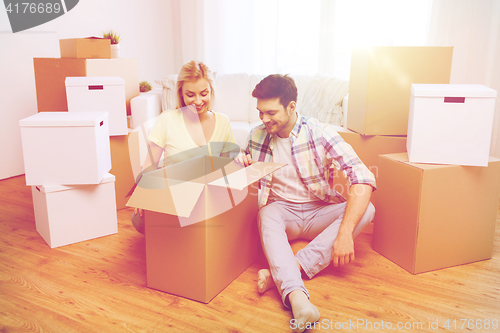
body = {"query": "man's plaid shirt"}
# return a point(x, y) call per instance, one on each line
point(317, 149)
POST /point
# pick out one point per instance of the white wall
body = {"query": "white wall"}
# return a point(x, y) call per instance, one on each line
point(473, 29)
point(146, 30)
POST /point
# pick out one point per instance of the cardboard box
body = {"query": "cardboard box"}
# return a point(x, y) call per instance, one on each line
point(99, 93)
point(68, 148)
point(379, 84)
point(121, 168)
point(368, 148)
point(201, 224)
point(85, 48)
point(70, 214)
point(127, 69)
point(435, 216)
point(450, 123)
point(51, 73)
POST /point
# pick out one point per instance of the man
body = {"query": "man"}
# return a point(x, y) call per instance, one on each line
point(297, 201)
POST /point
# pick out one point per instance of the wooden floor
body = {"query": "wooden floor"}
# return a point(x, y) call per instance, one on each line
point(100, 286)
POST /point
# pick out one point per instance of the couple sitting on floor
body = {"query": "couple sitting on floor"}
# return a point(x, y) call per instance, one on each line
point(296, 201)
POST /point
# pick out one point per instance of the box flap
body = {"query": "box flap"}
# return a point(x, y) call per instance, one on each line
point(242, 178)
point(79, 81)
point(168, 190)
point(178, 199)
point(156, 192)
point(452, 90)
point(64, 119)
point(57, 188)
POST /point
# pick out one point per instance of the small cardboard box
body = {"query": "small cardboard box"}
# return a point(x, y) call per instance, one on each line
point(51, 73)
point(368, 148)
point(450, 123)
point(99, 93)
point(435, 216)
point(379, 85)
point(70, 214)
point(201, 224)
point(85, 48)
point(65, 148)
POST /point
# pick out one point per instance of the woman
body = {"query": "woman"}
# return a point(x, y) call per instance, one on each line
point(191, 130)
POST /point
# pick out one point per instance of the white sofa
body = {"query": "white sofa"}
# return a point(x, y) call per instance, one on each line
point(319, 96)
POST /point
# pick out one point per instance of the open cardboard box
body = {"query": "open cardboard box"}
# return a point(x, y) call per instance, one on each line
point(201, 224)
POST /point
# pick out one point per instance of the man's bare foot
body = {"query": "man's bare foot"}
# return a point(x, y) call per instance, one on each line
point(304, 312)
point(264, 280)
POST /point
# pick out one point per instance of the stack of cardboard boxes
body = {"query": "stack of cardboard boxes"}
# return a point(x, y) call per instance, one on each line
point(67, 160)
point(87, 58)
point(438, 190)
point(379, 99)
point(67, 155)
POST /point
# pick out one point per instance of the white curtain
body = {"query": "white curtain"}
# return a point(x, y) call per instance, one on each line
point(472, 27)
point(262, 36)
point(188, 30)
point(292, 36)
point(316, 36)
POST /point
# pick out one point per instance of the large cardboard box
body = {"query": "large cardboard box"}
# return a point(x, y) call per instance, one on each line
point(450, 123)
point(51, 73)
point(121, 168)
point(68, 148)
point(99, 93)
point(85, 48)
point(368, 148)
point(435, 216)
point(201, 224)
point(379, 84)
point(70, 214)
point(127, 69)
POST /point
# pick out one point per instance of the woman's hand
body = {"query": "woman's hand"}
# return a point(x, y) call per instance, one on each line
point(243, 159)
point(138, 211)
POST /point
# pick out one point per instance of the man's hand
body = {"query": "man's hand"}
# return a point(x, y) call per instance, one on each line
point(357, 201)
point(343, 249)
point(243, 159)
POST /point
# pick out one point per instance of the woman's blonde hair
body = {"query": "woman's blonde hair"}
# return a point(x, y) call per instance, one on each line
point(193, 71)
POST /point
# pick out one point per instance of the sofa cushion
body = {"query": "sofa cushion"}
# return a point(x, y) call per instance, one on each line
point(169, 93)
point(253, 113)
point(302, 82)
point(232, 96)
point(323, 99)
point(241, 129)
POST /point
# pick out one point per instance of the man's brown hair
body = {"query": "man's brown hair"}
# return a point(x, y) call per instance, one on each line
point(277, 86)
